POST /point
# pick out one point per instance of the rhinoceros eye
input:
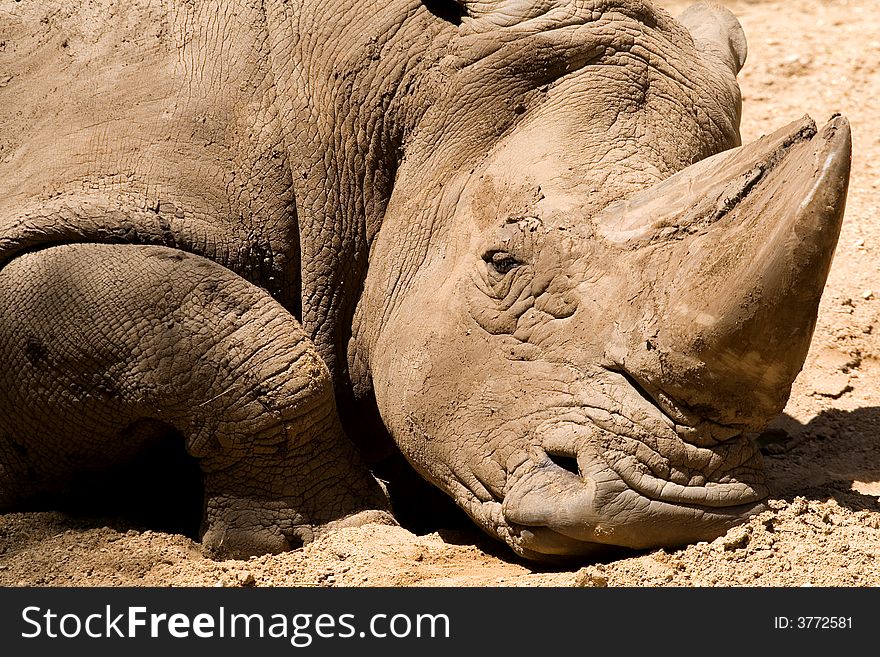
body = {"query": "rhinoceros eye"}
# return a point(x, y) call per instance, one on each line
point(501, 261)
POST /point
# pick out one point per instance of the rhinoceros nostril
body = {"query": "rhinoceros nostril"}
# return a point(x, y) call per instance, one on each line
point(565, 462)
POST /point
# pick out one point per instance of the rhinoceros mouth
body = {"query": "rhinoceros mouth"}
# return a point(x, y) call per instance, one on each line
point(733, 490)
point(739, 481)
point(657, 447)
point(551, 512)
point(662, 477)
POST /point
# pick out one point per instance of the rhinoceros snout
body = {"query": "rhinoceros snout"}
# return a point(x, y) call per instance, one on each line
point(563, 506)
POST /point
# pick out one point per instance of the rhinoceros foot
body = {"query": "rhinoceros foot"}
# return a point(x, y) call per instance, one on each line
point(238, 528)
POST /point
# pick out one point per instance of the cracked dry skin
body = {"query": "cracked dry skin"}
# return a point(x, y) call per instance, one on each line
point(512, 235)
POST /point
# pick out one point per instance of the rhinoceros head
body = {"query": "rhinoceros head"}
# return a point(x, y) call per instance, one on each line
point(585, 293)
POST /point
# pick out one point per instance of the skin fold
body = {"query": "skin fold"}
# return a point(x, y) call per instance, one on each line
point(519, 242)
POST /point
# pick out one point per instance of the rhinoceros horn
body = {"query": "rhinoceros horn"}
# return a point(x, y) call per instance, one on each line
point(741, 245)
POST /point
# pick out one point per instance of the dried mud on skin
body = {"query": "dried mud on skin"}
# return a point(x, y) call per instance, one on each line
point(822, 525)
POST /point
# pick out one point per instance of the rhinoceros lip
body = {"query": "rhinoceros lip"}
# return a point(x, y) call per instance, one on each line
point(687, 424)
point(729, 488)
point(712, 494)
point(673, 413)
point(551, 513)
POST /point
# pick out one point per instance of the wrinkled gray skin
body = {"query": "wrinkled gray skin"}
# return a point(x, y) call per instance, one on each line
point(252, 219)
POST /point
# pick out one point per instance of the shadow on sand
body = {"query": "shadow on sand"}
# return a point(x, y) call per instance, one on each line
point(835, 455)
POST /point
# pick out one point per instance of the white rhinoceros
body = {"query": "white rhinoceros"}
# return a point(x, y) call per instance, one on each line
point(518, 237)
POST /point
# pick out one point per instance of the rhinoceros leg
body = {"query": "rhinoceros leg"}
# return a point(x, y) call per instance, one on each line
point(103, 344)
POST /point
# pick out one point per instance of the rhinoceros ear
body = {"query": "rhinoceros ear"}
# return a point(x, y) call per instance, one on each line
point(717, 33)
point(505, 13)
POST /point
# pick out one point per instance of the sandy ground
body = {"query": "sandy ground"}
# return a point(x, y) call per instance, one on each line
point(823, 457)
